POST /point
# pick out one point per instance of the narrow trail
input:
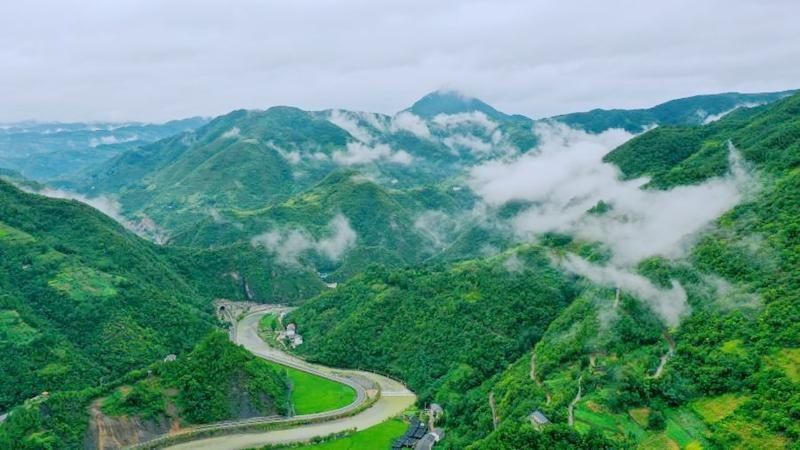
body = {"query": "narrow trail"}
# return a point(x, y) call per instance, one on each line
point(493, 407)
point(571, 409)
point(666, 356)
point(538, 381)
point(392, 399)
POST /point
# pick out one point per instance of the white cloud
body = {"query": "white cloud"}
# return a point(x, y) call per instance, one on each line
point(565, 177)
point(708, 118)
point(358, 153)
point(669, 304)
point(406, 121)
point(145, 227)
point(514, 263)
point(163, 60)
point(437, 227)
point(292, 157)
point(290, 244)
point(470, 119)
point(109, 140)
point(474, 144)
point(233, 133)
point(347, 122)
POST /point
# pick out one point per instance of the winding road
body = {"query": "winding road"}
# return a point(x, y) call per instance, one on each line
point(393, 399)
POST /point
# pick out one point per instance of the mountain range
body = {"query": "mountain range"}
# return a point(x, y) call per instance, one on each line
point(630, 274)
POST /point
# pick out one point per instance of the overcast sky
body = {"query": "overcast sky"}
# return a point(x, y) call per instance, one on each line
point(156, 60)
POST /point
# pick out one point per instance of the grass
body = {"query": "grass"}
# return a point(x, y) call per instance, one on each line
point(379, 437)
point(84, 283)
point(12, 235)
point(754, 435)
point(788, 360)
point(313, 394)
point(621, 424)
point(733, 347)
point(659, 441)
point(714, 409)
point(13, 329)
point(268, 322)
point(641, 416)
point(685, 428)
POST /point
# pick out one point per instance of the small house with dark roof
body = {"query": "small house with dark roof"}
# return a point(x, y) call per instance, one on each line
point(538, 419)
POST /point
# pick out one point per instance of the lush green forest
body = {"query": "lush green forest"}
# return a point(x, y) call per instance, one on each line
point(440, 329)
point(460, 309)
point(731, 379)
point(216, 381)
point(83, 300)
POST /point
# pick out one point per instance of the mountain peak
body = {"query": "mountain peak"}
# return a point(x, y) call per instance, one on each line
point(447, 101)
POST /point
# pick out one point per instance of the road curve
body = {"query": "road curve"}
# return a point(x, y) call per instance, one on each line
point(394, 398)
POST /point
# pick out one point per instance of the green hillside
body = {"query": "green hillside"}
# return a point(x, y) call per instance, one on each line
point(730, 381)
point(84, 300)
point(440, 329)
point(216, 381)
point(383, 219)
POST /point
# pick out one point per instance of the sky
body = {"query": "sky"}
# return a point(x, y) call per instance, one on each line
point(156, 60)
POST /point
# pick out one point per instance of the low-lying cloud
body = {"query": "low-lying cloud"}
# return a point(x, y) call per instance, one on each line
point(289, 245)
point(358, 153)
point(566, 176)
point(468, 119)
point(670, 305)
point(406, 121)
point(110, 140)
point(145, 227)
point(345, 121)
point(233, 133)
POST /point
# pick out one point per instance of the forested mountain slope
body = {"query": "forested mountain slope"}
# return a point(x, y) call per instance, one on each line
point(216, 381)
point(723, 377)
point(82, 300)
point(250, 160)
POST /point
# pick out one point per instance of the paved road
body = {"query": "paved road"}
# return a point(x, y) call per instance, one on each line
point(395, 398)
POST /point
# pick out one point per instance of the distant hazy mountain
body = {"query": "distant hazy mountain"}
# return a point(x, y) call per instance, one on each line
point(48, 150)
point(247, 172)
point(695, 110)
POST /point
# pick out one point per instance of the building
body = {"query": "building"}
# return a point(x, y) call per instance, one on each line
point(170, 358)
point(538, 419)
point(297, 340)
point(291, 330)
point(416, 432)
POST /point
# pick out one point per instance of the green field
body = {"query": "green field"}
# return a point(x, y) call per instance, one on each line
point(268, 322)
point(10, 235)
point(268, 325)
point(83, 283)
point(714, 409)
point(788, 360)
point(312, 394)
point(13, 329)
point(686, 428)
point(379, 437)
point(683, 428)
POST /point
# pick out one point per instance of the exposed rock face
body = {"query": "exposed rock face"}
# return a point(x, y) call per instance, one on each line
point(111, 433)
